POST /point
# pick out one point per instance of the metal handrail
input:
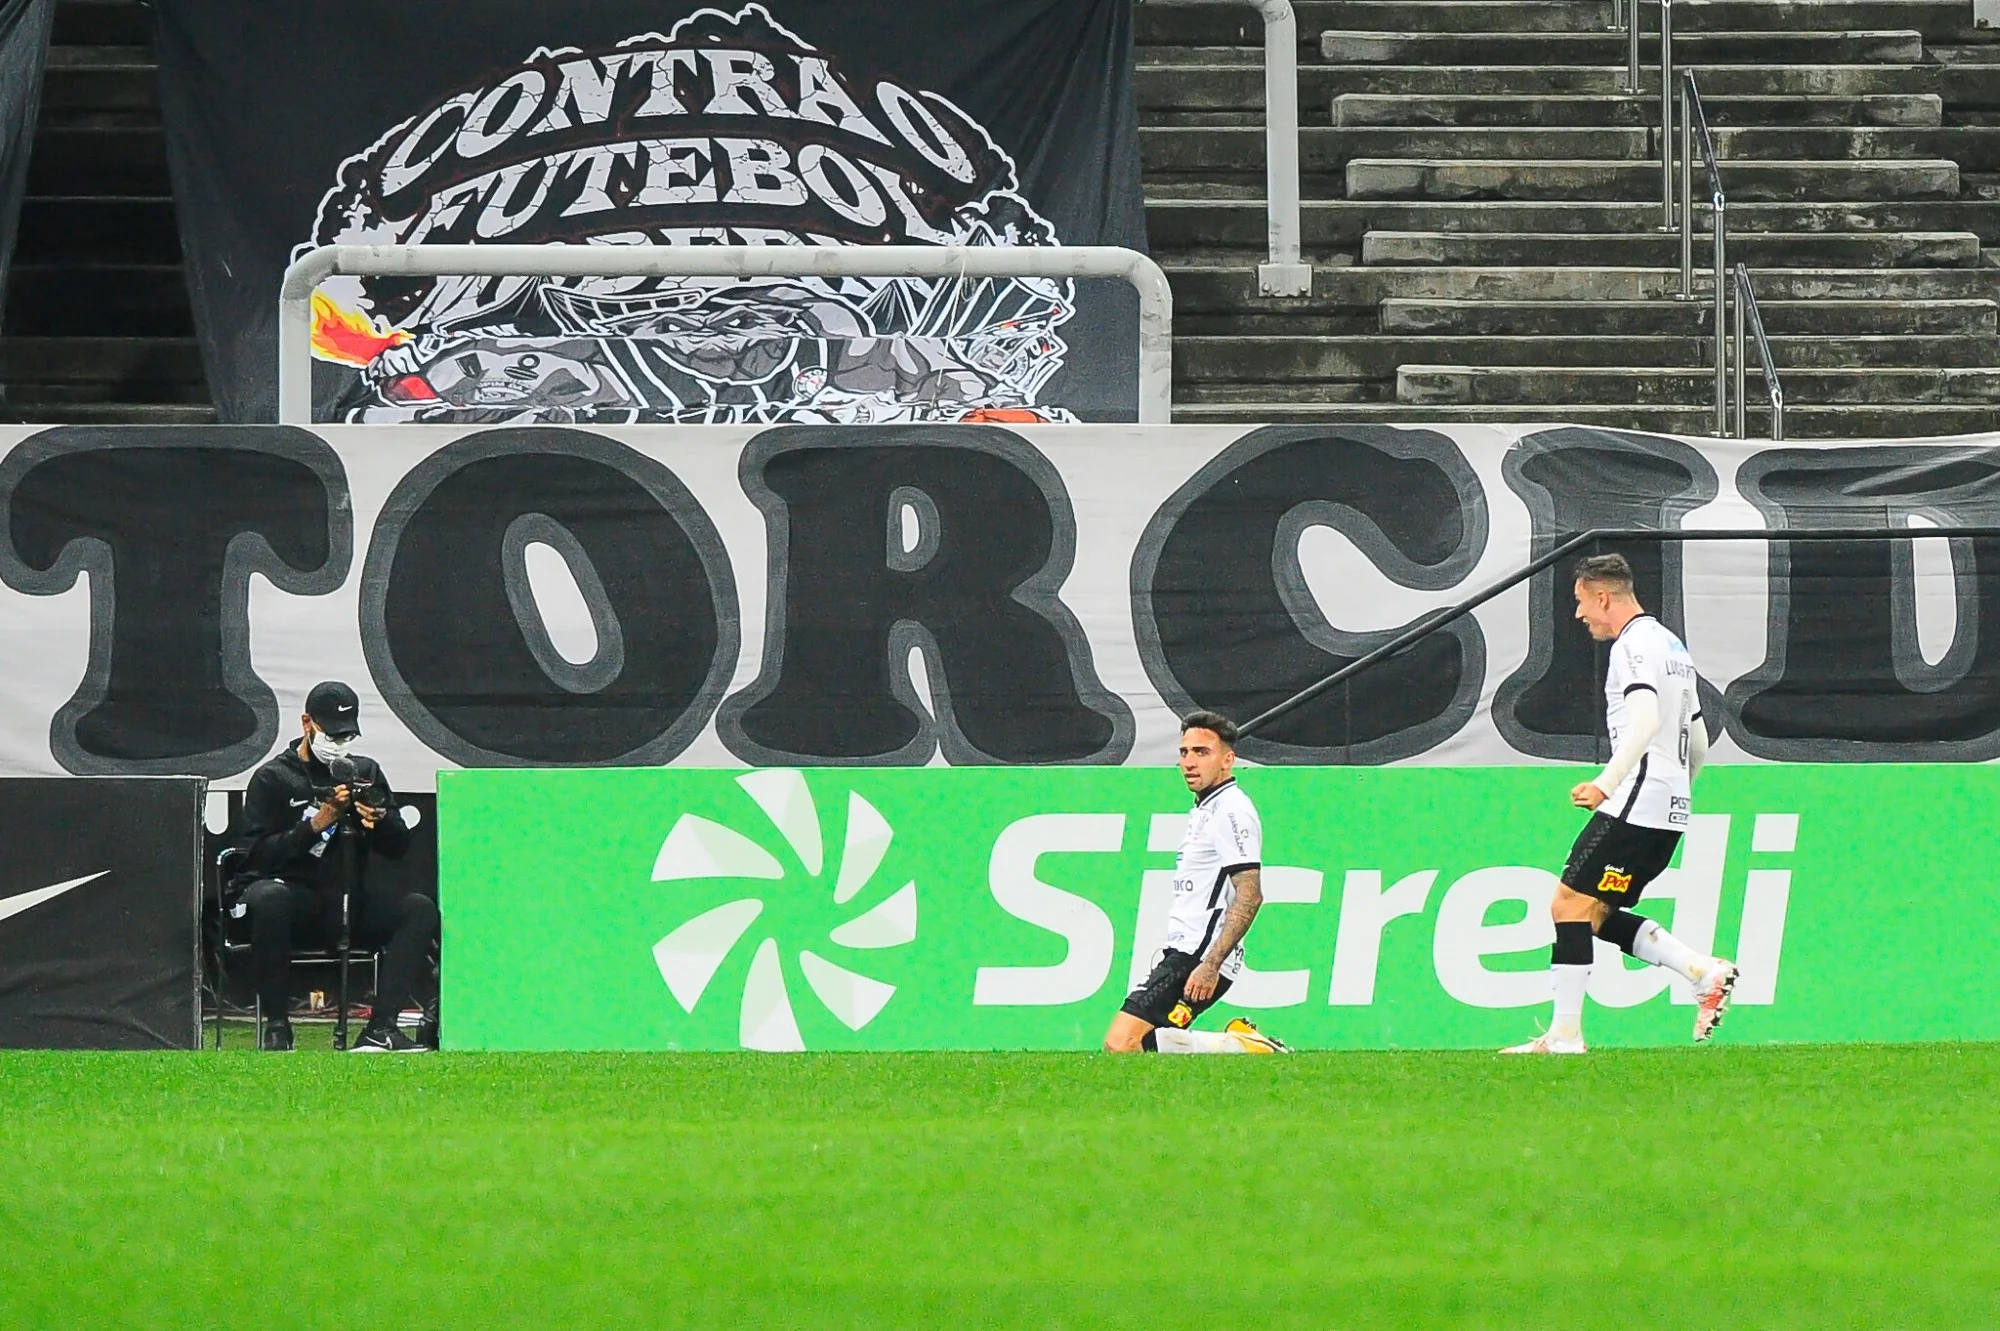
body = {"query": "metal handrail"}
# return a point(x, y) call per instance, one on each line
point(1692, 118)
point(1625, 15)
point(1666, 103)
point(1287, 273)
point(1430, 624)
point(1156, 299)
point(1746, 306)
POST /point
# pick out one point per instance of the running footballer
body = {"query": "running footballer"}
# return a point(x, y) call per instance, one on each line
point(1217, 890)
point(1640, 805)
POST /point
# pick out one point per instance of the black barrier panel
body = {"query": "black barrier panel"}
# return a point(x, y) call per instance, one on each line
point(1224, 617)
point(416, 871)
point(1572, 480)
point(949, 543)
point(100, 882)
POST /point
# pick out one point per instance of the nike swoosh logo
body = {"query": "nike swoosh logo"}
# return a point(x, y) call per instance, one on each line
point(296, 804)
point(14, 905)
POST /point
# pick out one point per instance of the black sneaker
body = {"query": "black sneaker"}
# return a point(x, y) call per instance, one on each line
point(278, 1038)
point(390, 1040)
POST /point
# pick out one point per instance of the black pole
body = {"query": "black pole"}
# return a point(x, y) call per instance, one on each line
point(1433, 622)
point(348, 838)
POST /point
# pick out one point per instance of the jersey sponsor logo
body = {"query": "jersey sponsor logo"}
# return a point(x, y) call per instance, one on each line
point(1182, 1016)
point(1615, 882)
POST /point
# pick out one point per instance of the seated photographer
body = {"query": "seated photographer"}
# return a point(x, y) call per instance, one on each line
point(293, 811)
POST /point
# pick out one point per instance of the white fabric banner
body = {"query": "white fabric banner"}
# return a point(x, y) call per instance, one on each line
point(720, 596)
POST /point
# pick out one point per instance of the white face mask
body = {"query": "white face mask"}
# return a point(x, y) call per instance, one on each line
point(326, 748)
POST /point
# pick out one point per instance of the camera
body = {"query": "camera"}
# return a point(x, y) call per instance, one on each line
point(349, 772)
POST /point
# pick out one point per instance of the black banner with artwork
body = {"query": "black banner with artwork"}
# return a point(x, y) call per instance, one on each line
point(24, 44)
point(100, 886)
point(631, 122)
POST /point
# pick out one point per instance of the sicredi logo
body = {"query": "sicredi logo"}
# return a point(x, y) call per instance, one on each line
point(1370, 903)
point(700, 849)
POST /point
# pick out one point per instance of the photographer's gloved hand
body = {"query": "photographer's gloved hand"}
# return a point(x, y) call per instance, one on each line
point(370, 815)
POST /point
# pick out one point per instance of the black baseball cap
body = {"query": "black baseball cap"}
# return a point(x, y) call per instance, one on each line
point(334, 709)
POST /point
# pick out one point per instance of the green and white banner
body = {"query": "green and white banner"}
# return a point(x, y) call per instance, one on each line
point(1012, 908)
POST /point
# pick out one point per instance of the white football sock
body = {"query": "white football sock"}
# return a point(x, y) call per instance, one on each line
point(1171, 1041)
point(1656, 947)
point(1570, 982)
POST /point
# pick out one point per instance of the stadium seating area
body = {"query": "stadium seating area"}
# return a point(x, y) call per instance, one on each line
point(1482, 202)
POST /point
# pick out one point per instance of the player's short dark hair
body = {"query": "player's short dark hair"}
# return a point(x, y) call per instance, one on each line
point(1611, 570)
point(1224, 728)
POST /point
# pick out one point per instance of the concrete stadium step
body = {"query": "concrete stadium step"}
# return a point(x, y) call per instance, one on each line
point(1234, 24)
point(75, 88)
point(1220, 151)
point(1480, 385)
point(74, 300)
point(69, 229)
point(1238, 88)
point(1181, 227)
point(1878, 249)
point(111, 413)
point(95, 53)
point(28, 395)
point(1901, 47)
point(1209, 368)
point(1439, 178)
point(1483, 77)
point(100, 360)
point(1233, 290)
point(74, 161)
point(1356, 109)
point(102, 22)
point(1653, 318)
point(1973, 147)
point(1802, 421)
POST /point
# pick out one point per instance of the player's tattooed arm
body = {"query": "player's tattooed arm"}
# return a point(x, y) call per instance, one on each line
point(1236, 923)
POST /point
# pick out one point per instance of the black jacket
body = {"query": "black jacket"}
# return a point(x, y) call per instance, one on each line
point(275, 827)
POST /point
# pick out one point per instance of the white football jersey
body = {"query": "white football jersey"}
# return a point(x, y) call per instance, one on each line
point(1224, 836)
point(1647, 656)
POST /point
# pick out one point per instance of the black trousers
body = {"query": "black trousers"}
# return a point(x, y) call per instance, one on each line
point(283, 915)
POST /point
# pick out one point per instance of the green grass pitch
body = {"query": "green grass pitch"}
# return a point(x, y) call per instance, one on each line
point(1738, 1187)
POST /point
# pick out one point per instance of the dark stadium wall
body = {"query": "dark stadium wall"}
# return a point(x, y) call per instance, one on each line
point(909, 595)
point(24, 45)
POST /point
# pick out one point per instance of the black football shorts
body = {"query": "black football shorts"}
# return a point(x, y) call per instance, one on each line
point(1614, 861)
point(1162, 999)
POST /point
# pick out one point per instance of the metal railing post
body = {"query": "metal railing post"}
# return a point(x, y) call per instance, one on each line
point(1746, 305)
point(1667, 113)
point(1736, 350)
point(1687, 191)
point(1109, 262)
point(1721, 291)
point(1632, 46)
point(1287, 273)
